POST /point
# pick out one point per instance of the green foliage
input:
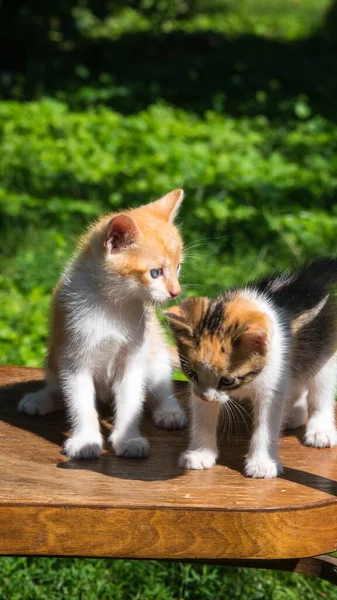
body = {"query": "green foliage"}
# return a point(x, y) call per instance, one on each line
point(247, 57)
point(283, 19)
point(55, 579)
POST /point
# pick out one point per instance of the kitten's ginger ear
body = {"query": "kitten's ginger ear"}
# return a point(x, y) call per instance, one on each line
point(122, 232)
point(167, 207)
point(255, 333)
point(177, 320)
point(254, 341)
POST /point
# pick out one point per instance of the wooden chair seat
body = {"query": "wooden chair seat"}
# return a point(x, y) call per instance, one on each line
point(113, 507)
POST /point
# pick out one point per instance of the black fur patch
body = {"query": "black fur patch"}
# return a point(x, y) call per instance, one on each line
point(213, 318)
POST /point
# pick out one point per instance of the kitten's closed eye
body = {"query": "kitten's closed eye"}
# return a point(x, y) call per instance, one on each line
point(227, 381)
point(254, 372)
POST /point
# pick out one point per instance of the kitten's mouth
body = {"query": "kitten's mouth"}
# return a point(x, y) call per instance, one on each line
point(159, 301)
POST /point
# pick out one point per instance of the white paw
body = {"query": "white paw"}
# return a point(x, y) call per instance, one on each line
point(172, 417)
point(197, 459)
point(39, 403)
point(137, 447)
point(320, 438)
point(262, 468)
point(83, 446)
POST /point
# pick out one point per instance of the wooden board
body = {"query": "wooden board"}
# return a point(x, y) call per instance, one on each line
point(151, 508)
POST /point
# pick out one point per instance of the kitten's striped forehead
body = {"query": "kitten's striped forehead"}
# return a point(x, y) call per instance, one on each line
point(229, 315)
point(212, 318)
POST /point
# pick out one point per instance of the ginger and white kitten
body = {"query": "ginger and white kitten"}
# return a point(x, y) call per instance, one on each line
point(105, 340)
point(273, 342)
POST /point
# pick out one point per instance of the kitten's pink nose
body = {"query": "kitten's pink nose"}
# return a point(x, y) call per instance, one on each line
point(175, 291)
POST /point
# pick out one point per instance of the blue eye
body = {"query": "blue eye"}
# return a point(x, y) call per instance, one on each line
point(155, 273)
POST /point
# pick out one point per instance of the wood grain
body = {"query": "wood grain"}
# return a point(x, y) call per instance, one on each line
point(152, 509)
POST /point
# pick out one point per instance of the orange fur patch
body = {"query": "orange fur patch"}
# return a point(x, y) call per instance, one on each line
point(246, 314)
point(230, 350)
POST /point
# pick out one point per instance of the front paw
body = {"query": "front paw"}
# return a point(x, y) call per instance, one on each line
point(320, 437)
point(262, 467)
point(172, 417)
point(39, 403)
point(137, 447)
point(83, 446)
point(197, 459)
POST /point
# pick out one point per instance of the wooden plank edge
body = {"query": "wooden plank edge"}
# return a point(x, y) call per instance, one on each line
point(166, 534)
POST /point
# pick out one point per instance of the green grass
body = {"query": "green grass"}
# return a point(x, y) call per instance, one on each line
point(88, 579)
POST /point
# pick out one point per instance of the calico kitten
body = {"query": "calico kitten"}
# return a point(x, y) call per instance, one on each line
point(105, 339)
point(273, 342)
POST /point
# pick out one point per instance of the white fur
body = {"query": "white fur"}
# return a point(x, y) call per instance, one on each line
point(197, 459)
point(268, 393)
point(202, 451)
point(296, 409)
point(320, 431)
point(108, 353)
